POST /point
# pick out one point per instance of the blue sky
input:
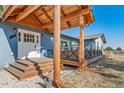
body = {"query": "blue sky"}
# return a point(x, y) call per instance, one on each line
point(108, 20)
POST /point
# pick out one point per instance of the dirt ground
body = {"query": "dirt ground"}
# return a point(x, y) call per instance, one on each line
point(105, 73)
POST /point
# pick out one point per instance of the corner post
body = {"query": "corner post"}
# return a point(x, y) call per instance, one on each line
point(81, 44)
point(56, 59)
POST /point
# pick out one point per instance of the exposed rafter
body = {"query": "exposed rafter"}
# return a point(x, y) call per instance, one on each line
point(26, 12)
point(64, 16)
point(41, 22)
point(46, 14)
point(68, 17)
point(18, 11)
point(6, 14)
point(41, 17)
point(37, 19)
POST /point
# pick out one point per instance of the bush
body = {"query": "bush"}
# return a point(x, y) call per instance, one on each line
point(108, 49)
point(119, 49)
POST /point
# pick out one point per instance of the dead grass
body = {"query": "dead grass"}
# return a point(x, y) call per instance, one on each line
point(106, 73)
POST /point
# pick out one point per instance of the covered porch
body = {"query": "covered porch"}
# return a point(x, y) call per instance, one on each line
point(52, 19)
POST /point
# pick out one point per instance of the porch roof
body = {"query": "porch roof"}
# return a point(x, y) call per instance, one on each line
point(41, 16)
point(95, 36)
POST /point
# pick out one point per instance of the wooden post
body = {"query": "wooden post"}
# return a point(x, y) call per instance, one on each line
point(56, 43)
point(81, 44)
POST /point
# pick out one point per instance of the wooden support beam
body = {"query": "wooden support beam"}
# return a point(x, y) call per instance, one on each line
point(18, 11)
point(46, 14)
point(38, 19)
point(91, 15)
point(69, 25)
point(47, 11)
point(71, 63)
point(40, 22)
point(56, 59)
point(81, 44)
point(6, 14)
point(26, 12)
point(68, 17)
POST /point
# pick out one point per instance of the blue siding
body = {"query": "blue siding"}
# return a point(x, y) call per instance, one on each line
point(46, 41)
point(8, 29)
point(6, 54)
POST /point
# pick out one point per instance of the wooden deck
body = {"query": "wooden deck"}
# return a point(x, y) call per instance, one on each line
point(77, 64)
point(26, 68)
point(90, 61)
point(71, 63)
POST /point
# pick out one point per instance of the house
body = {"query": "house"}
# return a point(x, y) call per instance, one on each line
point(20, 42)
point(14, 37)
point(93, 44)
point(24, 41)
point(68, 40)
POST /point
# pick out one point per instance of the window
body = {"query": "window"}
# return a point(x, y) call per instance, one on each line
point(19, 36)
point(24, 37)
point(63, 42)
point(37, 39)
point(30, 37)
point(70, 43)
point(27, 37)
point(33, 38)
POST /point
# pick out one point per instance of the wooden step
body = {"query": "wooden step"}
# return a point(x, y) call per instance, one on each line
point(30, 68)
point(35, 73)
point(22, 67)
point(29, 63)
point(29, 74)
point(49, 69)
point(42, 65)
point(25, 63)
point(21, 75)
point(47, 62)
point(46, 69)
point(17, 73)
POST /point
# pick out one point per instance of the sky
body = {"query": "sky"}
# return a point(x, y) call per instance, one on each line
point(109, 20)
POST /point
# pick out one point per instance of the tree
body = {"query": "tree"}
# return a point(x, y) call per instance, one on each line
point(108, 49)
point(119, 49)
point(1, 8)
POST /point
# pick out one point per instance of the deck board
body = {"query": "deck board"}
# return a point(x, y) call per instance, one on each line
point(89, 61)
point(26, 68)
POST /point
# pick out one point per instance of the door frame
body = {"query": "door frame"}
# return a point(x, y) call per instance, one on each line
point(28, 43)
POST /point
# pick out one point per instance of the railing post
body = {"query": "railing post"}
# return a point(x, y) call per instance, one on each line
point(56, 43)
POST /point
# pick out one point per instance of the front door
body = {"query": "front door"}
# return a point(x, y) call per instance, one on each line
point(28, 44)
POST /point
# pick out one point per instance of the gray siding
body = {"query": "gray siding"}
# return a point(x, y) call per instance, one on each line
point(87, 43)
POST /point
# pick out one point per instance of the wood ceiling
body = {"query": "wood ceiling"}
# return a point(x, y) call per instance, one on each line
point(41, 16)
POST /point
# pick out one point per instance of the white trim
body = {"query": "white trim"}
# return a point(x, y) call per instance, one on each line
point(28, 49)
